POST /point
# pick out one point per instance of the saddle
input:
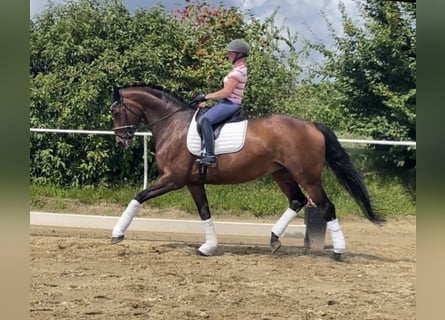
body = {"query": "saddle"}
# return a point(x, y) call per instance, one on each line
point(229, 134)
point(238, 116)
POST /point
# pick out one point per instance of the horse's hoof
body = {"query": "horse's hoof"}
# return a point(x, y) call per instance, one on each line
point(275, 245)
point(337, 256)
point(199, 253)
point(115, 240)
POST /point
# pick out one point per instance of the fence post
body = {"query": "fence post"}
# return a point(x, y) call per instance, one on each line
point(315, 235)
point(145, 162)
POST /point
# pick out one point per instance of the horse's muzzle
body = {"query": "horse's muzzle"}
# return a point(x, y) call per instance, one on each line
point(123, 143)
point(124, 140)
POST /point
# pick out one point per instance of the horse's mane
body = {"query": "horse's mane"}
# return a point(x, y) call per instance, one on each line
point(168, 94)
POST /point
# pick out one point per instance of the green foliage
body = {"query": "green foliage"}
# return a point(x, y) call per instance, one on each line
point(373, 74)
point(316, 102)
point(260, 198)
point(81, 49)
point(273, 68)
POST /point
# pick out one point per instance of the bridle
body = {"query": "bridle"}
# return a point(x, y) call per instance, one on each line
point(131, 129)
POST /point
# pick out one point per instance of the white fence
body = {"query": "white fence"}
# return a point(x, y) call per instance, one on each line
point(147, 135)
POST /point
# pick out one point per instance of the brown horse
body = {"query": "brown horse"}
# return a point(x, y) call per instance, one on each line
point(292, 150)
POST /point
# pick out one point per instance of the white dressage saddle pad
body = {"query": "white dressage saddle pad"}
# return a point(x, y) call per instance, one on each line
point(231, 138)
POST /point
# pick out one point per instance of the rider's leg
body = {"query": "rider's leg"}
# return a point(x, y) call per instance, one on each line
point(218, 113)
point(221, 111)
point(209, 142)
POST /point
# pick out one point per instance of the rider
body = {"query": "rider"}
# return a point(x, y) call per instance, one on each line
point(229, 98)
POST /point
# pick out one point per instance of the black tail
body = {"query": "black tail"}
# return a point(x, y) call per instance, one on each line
point(348, 176)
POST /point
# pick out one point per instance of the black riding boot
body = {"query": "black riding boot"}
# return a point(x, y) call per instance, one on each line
point(208, 158)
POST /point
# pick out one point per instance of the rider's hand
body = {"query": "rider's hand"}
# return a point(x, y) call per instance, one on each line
point(199, 98)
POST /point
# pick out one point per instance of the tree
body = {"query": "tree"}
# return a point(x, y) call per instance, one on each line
point(411, 1)
point(75, 51)
point(273, 61)
point(81, 49)
point(374, 68)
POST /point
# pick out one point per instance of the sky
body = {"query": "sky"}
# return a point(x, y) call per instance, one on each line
point(301, 16)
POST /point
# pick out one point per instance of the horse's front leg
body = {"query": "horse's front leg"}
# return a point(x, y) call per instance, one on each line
point(199, 196)
point(163, 185)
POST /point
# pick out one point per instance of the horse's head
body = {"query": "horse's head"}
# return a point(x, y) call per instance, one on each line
point(126, 119)
point(143, 103)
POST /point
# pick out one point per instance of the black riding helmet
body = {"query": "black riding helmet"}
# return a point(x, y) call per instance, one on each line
point(240, 46)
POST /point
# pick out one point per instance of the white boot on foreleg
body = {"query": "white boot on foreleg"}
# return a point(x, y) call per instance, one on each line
point(124, 221)
point(207, 248)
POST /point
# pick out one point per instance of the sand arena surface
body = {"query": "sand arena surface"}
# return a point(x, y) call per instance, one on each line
point(77, 274)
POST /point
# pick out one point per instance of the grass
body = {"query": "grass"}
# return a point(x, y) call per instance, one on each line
point(392, 197)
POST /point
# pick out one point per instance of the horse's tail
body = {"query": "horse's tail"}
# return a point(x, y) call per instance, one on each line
point(348, 176)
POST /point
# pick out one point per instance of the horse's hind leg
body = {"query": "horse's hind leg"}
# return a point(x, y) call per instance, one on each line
point(199, 196)
point(297, 200)
point(327, 210)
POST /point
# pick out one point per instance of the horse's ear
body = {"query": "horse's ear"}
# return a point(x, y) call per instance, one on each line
point(116, 94)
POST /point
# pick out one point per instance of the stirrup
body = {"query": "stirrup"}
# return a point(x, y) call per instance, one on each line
point(208, 160)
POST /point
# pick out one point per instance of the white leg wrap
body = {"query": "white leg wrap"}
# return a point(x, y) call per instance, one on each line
point(211, 243)
point(126, 218)
point(283, 222)
point(338, 239)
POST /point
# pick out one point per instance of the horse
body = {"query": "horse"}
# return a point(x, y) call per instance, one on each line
point(293, 151)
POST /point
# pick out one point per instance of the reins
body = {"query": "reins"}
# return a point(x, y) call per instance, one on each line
point(131, 129)
point(183, 107)
point(167, 116)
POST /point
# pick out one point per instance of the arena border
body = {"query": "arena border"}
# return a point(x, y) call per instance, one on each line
point(228, 228)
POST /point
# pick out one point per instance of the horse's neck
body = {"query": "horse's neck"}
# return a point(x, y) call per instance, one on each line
point(154, 108)
point(172, 120)
point(165, 114)
point(155, 105)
